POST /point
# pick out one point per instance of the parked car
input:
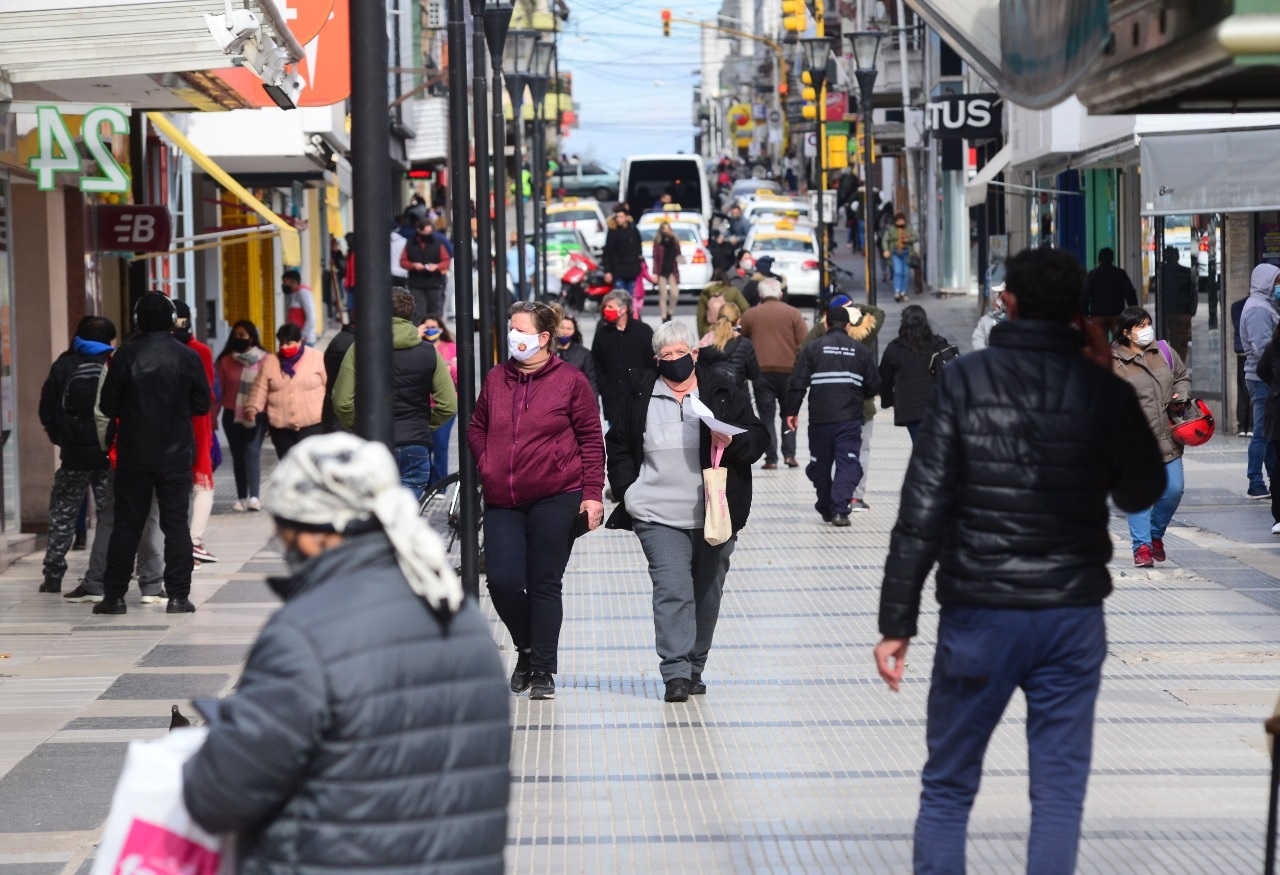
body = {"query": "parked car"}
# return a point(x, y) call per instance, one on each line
point(583, 214)
point(794, 250)
point(587, 180)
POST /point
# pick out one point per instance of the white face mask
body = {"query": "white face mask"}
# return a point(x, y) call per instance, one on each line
point(1144, 336)
point(521, 346)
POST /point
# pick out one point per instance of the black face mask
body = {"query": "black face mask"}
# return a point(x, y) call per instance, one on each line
point(182, 334)
point(239, 344)
point(676, 370)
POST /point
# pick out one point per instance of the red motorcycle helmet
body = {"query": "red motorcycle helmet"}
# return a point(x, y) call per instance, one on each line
point(1194, 425)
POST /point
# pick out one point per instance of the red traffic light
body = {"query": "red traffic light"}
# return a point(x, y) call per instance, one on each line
point(666, 15)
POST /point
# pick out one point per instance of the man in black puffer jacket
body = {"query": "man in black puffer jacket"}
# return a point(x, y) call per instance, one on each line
point(1007, 491)
point(370, 732)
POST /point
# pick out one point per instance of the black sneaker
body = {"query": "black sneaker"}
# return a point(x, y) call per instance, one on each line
point(859, 506)
point(80, 594)
point(180, 606)
point(677, 690)
point(80, 542)
point(542, 685)
point(51, 585)
point(696, 686)
point(841, 520)
point(111, 606)
point(520, 677)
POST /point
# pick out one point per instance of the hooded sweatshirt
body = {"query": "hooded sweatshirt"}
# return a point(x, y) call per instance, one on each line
point(1258, 318)
point(418, 376)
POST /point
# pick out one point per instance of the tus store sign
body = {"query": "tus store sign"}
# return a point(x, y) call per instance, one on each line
point(965, 116)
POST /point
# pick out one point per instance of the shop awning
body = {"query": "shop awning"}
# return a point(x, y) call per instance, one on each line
point(290, 242)
point(975, 192)
point(1210, 172)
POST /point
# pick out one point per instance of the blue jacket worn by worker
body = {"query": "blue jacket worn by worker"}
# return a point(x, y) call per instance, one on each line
point(842, 374)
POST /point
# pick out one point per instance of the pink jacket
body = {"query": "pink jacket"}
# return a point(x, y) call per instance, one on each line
point(290, 402)
point(537, 435)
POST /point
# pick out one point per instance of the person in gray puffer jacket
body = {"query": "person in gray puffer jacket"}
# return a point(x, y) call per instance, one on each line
point(370, 732)
point(1258, 322)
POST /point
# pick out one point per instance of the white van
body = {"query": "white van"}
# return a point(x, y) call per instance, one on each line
point(645, 178)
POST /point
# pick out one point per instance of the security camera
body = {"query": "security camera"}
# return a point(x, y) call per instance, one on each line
point(233, 30)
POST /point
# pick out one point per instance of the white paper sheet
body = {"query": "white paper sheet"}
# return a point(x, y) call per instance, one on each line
point(704, 413)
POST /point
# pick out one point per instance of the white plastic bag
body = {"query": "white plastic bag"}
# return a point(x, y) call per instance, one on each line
point(149, 831)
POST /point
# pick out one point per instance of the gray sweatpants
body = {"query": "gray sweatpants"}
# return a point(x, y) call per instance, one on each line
point(864, 458)
point(150, 549)
point(688, 580)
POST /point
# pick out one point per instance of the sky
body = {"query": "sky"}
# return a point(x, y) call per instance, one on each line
point(633, 87)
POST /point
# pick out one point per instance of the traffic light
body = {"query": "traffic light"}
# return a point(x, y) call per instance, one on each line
point(666, 22)
point(795, 16)
point(810, 96)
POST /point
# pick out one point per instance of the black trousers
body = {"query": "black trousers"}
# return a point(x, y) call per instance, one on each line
point(285, 439)
point(834, 446)
point(133, 494)
point(527, 550)
point(771, 392)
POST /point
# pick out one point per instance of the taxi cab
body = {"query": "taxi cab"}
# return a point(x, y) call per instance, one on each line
point(794, 249)
point(695, 271)
point(764, 208)
point(581, 214)
point(675, 214)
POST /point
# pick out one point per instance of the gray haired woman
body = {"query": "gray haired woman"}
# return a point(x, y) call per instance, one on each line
point(657, 448)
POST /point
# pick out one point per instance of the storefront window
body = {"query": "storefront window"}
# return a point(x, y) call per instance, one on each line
point(8, 390)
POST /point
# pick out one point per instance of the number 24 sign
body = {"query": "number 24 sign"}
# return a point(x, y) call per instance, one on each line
point(53, 137)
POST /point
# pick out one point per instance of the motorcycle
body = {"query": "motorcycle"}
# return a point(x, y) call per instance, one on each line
point(582, 283)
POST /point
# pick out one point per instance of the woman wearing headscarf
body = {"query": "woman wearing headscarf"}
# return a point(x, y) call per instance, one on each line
point(238, 366)
point(374, 661)
point(658, 449)
point(535, 436)
point(290, 388)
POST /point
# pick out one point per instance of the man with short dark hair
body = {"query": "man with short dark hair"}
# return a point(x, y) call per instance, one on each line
point(1007, 492)
point(427, 259)
point(423, 397)
point(300, 305)
point(68, 403)
point(154, 386)
point(1107, 291)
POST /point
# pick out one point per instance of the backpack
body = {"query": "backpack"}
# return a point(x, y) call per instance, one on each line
point(722, 362)
point(944, 354)
point(714, 303)
point(78, 406)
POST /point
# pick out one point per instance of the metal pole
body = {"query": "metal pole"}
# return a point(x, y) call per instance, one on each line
point(496, 21)
point(866, 85)
point(540, 193)
point(484, 222)
point(371, 178)
point(538, 178)
point(516, 85)
point(459, 190)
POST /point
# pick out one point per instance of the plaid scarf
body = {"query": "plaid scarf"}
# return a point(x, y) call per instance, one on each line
point(251, 362)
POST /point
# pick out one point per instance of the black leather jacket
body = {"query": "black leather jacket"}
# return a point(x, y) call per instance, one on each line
point(1008, 481)
point(154, 386)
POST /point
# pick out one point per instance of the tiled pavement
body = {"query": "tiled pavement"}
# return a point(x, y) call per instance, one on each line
point(797, 760)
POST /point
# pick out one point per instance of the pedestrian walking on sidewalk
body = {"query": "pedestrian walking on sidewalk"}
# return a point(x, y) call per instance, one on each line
point(906, 369)
point(154, 387)
point(657, 452)
point(666, 267)
point(1017, 525)
point(427, 258)
point(68, 405)
point(622, 344)
point(374, 661)
point(777, 331)
point(536, 437)
point(1160, 380)
point(203, 426)
point(300, 305)
point(623, 255)
point(1107, 291)
point(725, 350)
point(901, 249)
point(422, 394)
point(843, 375)
point(1258, 320)
point(569, 347)
point(238, 366)
point(437, 333)
point(718, 292)
point(290, 388)
point(334, 353)
point(1269, 370)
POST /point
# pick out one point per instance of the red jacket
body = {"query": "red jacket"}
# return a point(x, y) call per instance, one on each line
point(537, 435)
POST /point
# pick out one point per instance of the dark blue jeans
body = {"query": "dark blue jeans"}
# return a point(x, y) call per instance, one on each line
point(440, 450)
point(1055, 656)
point(834, 445)
point(414, 462)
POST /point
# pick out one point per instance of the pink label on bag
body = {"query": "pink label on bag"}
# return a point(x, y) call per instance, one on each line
point(154, 850)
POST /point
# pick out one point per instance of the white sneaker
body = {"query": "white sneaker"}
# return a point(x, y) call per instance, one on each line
point(151, 599)
point(254, 504)
point(1275, 530)
point(239, 507)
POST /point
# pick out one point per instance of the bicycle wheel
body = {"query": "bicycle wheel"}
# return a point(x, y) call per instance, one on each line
point(435, 508)
point(453, 543)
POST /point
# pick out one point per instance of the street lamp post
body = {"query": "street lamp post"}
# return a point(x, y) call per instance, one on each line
point(517, 61)
point(496, 21)
point(484, 223)
point(816, 51)
point(539, 82)
point(866, 44)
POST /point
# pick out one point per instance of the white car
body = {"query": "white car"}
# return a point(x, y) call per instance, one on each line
point(767, 208)
point(584, 214)
point(794, 250)
point(676, 216)
point(695, 270)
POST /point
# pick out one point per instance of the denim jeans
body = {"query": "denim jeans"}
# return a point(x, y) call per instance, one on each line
point(913, 429)
point(900, 264)
point(1261, 455)
point(440, 450)
point(414, 462)
point(1150, 524)
point(246, 453)
point(983, 655)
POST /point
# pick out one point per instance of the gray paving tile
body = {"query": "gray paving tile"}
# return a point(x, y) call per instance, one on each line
point(107, 626)
point(270, 569)
point(31, 868)
point(245, 592)
point(175, 687)
point(85, 723)
point(172, 655)
point(60, 787)
point(86, 867)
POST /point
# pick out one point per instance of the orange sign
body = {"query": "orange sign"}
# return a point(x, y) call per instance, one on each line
point(324, 29)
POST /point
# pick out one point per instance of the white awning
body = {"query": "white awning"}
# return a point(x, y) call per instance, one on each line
point(1210, 172)
point(975, 192)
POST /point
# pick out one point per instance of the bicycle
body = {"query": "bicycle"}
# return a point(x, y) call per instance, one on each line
point(441, 507)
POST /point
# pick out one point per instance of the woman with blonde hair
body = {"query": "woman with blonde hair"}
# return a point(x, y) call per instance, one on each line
point(726, 351)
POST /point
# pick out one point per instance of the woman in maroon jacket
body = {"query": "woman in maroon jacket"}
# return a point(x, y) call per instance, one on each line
point(536, 439)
